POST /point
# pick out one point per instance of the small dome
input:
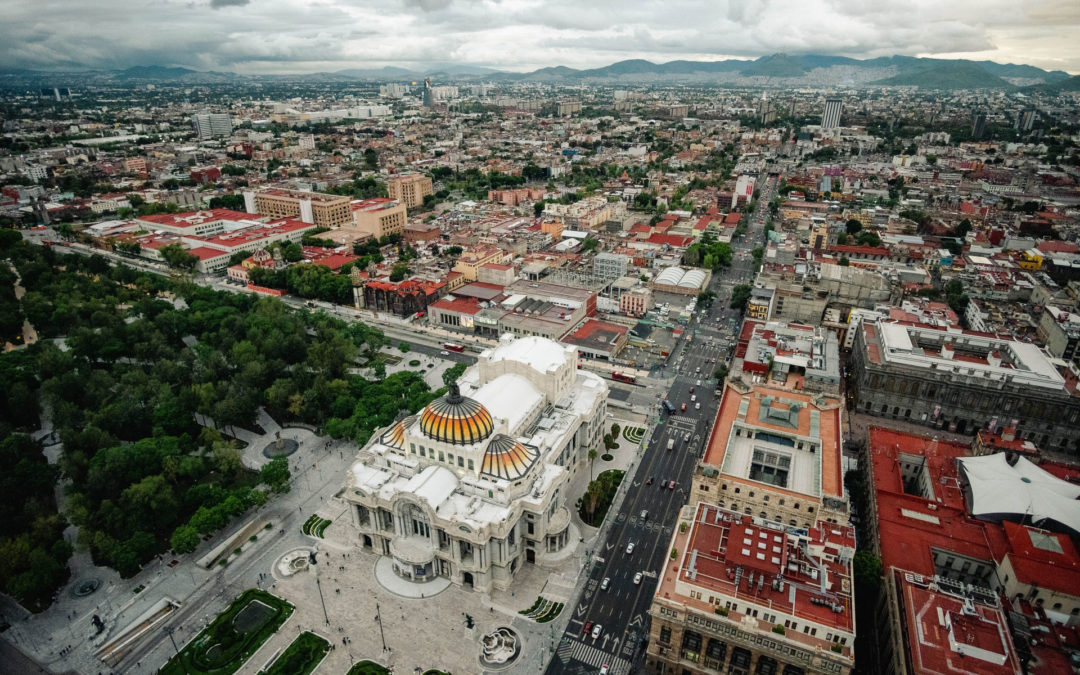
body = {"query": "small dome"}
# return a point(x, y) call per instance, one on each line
point(456, 419)
point(507, 458)
point(395, 435)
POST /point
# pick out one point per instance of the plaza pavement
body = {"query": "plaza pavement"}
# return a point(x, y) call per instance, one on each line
point(426, 632)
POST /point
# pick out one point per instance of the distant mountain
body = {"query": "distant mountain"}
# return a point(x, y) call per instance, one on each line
point(778, 70)
point(1070, 84)
point(954, 75)
point(154, 73)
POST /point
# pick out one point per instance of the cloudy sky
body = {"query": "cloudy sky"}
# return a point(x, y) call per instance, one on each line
point(295, 36)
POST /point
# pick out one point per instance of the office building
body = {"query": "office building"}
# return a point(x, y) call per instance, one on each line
point(476, 486)
point(429, 97)
point(211, 125)
point(409, 189)
point(321, 209)
point(978, 126)
point(830, 118)
point(379, 217)
point(610, 265)
point(1026, 120)
point(747, 595)
point(963, 381)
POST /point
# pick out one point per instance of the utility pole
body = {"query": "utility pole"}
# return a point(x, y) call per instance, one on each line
point(378, 618)
point(169, 631)
point(318, 584)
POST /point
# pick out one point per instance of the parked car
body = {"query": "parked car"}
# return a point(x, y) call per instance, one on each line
point(605, 583)
point(629, 548)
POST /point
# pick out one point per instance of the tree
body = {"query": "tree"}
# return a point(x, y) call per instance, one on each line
point(399, 271)
point(705, 298)
point(185, 539)
point(176, 257)
point(844, 262)
point(866, 568)
point(371, 159)
point(721, 372)
point(276, 474)
point(842, 239)
point(538, 208)
point(740, 295)
point(614, 430)
point(429, 201)
point(868, 238)
point(233, 202)
point(590, 244)
point(454, 251)
point(292, 252)
point(403, 347)
point(852, 226)
point(592, 458)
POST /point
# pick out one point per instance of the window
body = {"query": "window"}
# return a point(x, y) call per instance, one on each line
point(460, 461)
point(442, 458)
point(412, 448)
point(471, 465)
point(781, 501)
point(751, 494)
point(736, 490)
point(665, 635)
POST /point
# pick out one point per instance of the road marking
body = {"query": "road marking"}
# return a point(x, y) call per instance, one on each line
point(636, 621)
point(580, 610)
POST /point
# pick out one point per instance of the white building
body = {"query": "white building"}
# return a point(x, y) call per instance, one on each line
point(476, 485)
point(210, 125)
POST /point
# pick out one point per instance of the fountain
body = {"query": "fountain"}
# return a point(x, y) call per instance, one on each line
point(500, 648)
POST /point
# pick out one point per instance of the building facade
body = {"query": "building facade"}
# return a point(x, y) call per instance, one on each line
point(963, 382)
point(379, 217)
point(410, 189)
point(323, 210)
point(476, 485)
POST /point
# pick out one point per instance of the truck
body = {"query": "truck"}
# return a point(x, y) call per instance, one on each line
point(670, 443)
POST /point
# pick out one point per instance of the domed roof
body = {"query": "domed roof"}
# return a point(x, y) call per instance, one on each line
point(395, 435)
point(507, 458)
point(456, 419)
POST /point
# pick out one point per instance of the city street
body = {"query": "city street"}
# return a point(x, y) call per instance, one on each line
point(648, 513)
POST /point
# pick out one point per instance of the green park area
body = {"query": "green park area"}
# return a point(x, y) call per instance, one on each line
point(594, 504)
point(237, 633)
point(301, 657)
point(368, 668)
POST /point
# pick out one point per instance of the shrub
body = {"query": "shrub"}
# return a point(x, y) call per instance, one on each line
point(779, 629)
point(674, 553)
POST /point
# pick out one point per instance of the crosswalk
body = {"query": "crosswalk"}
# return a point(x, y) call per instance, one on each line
point(573, 650)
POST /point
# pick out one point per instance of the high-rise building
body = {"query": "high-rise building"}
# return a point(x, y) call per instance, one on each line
point(409, 189)
point(830, 119)
point(211, 125)
point(1026, 120)
point(429, 97)
point(978, 125)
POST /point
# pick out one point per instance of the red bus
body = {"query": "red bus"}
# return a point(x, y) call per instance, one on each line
point(453, 347)
point(622, 377)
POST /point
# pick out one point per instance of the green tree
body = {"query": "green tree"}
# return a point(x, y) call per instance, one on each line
point(176, 257)
point(721, 373)
point(590, 244)
point(399, 271)
point(705, 298)
point(276, 474)
point(403, 347)
point(185, 539)
point(852, 226)
point(867, 569)
point(740, 295)
point(592, 459)
point(844, 262)
point(371, 159)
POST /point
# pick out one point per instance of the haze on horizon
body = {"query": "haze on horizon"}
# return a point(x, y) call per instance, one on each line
point(298, 36)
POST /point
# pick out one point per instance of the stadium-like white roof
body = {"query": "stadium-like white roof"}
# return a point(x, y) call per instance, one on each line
point(670, 276)
point(999, 490)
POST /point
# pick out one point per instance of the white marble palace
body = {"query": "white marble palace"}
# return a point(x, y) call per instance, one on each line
point(476, 484)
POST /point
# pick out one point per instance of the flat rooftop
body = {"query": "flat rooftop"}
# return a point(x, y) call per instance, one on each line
point(777, 437)
point(315, 197)
point(945, 635)
point(798, 574)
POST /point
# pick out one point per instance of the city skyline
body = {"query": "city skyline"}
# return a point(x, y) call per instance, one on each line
point(519, 35)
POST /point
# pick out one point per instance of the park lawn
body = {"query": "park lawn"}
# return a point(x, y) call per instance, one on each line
point(223, 647)
point(300, 657)
point(368, 668)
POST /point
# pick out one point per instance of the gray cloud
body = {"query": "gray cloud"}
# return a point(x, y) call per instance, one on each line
point(308, 35)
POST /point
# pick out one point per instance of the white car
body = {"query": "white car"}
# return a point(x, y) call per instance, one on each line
point(596, 631)
point(697, 406)
point(444, 353)
point(629, 548)
point(637, 578)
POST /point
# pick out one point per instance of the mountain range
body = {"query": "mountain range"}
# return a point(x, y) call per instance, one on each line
point(774, 70)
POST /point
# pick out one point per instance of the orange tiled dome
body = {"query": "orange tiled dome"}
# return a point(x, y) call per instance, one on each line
point(507, 458)
point(456, 419)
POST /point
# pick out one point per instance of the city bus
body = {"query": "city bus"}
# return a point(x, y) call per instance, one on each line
point(622, 377)
point(453, 347)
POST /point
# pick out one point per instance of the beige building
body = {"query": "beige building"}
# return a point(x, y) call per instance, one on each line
point(310, 207)
point(379, 217)
point(409, 189)
point(470, 261)
point(637, 302)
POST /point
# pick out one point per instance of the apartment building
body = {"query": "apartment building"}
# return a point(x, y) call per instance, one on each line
point(409, 189)
point(324, 210)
